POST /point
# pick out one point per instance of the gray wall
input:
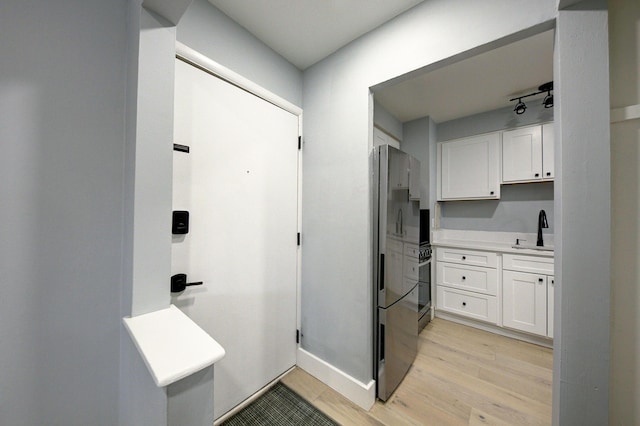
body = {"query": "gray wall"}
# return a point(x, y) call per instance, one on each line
point(82, 121)
point(147, 217)
point(491, 121)
point(337, 314)
point(383, 119)
point(583, 217)
point(212, 33)
point(518, 207)
point(516, 211)
point(153, 156)
point(62, 126)
point(416, 142)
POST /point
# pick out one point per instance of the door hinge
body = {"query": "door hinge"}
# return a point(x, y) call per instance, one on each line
point(180, 148)
point(299, 238)
point(297, 336)
point(299, 142)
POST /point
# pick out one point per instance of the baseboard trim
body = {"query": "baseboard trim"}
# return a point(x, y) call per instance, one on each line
point(363, 395)
point(540, 341)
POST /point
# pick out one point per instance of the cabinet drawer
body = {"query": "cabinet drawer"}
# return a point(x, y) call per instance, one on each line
point(472, 278)
point(469, 304)
point(411, 268)
point(467, 257)
point(411, 250)
point(523, 263)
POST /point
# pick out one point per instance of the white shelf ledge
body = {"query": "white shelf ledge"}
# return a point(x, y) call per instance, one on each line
point(631, 112)
point(172, 345)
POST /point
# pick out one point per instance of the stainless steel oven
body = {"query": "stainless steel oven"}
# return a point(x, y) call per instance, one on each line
point(424, 270)
point(424, 286)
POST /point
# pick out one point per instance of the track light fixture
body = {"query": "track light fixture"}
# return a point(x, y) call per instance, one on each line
point(547, 102)
point(520, 107)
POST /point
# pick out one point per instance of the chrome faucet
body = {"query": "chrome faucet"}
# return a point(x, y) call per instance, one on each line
point(542, 223)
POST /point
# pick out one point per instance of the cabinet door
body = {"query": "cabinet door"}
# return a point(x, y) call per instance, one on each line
point(524, 302)
point(548, 138)
point(381, 138)
point(469, 168)
point(398, 170)
point(550, 286)
point(522, 154)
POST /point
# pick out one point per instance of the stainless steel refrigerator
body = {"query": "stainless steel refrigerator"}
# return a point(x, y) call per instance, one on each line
point(396, 236)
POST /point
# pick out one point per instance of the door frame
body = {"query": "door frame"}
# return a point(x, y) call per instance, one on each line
point(206, 64)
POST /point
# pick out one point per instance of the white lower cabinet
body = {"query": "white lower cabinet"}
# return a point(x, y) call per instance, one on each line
point(463, 288)
point(510, 290)
point(527, 294)
point(550, 288)
point(524, 302)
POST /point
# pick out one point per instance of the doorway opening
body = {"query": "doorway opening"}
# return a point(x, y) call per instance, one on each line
point(435, 114)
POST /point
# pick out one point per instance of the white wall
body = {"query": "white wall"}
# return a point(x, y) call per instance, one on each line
point(383, 119)
point(212, 33)
point(336, 263)
point(624, 44)
point(491, 121)
point(582, 217)
point(416, 142)
point(147, 207)
point(62, 123)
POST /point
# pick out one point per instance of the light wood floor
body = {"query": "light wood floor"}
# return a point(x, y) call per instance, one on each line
point(461, 376)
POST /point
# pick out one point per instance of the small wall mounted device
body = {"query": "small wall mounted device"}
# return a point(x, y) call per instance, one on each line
point(180, 222)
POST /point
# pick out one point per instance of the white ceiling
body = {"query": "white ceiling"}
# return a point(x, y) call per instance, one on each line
point(481, 83)
point(305, 31)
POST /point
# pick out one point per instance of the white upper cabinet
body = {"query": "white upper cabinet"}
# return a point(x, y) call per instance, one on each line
point(470, 168)
point(399, 172)
point(527, 293)
point(548, 139)
point(527, 154)
point(522, 154)
point(381, 138)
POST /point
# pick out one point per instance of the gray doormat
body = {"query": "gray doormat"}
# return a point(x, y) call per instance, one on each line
point(282, 407)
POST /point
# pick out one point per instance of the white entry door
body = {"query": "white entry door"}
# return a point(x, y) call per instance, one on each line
point(239, 183)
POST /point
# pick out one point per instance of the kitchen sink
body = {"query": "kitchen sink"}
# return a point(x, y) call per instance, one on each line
point(541, 248)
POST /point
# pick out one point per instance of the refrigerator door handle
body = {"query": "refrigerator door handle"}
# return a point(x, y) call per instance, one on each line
point(381, 271)
point(382, 336)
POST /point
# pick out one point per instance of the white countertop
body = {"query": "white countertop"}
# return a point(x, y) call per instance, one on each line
point(172, 345)
point(491, 241)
